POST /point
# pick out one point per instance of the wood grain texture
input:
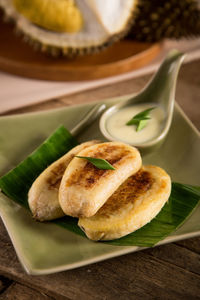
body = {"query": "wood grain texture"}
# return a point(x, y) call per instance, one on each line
point(21, 292)
point(16, 57)
point(193, 245)
point(167, 272)
point(4, 283)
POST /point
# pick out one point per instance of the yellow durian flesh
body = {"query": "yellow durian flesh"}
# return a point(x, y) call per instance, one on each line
point(59, 15)
point(101, 24)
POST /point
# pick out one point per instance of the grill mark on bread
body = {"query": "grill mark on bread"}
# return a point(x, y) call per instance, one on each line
point(56, 174)
point(87, 178)
point(128, 192)
point(108, 152)
point(90, 174)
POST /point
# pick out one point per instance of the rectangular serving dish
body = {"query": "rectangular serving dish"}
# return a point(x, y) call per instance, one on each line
point(47, 248)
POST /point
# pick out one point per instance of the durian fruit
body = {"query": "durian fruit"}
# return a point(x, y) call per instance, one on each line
point(100, 23)
point(158, 19)
point(62, 16)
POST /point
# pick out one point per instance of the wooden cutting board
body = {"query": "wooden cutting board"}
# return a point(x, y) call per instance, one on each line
point(16, 57)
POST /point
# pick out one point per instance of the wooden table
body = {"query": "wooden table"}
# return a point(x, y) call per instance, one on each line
point(167, 272)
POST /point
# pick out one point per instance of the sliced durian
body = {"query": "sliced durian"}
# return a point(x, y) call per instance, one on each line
point(43, 194)
point(60, 15)
point(85, 188)
point(104, 22)
point(135, 203)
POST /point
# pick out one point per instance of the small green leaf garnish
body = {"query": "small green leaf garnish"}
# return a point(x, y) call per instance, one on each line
point(141, 119)
point(141, 125)
point(98, 162)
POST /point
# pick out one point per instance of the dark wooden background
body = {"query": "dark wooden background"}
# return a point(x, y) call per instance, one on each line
point(167, 272)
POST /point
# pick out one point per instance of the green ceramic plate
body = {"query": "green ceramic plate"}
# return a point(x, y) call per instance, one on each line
point(47, 248)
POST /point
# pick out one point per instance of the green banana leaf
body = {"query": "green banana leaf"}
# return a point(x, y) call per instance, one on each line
point(16, 183)
point(183, 200)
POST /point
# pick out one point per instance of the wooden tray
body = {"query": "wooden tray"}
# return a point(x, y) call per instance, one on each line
point(18, 58)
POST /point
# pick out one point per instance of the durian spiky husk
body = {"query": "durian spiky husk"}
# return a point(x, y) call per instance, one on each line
point(158, 19)
point(104, 22)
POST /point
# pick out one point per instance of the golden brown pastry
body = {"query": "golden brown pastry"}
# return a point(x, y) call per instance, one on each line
point(43, 194)
point(84, 188)
point(135, 203)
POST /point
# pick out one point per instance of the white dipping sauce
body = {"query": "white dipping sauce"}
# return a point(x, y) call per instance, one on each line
point(116, 124)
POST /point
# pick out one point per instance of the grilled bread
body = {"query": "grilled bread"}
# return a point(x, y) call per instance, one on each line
point(135, 203)
point(84, 188)
point(43, 194)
